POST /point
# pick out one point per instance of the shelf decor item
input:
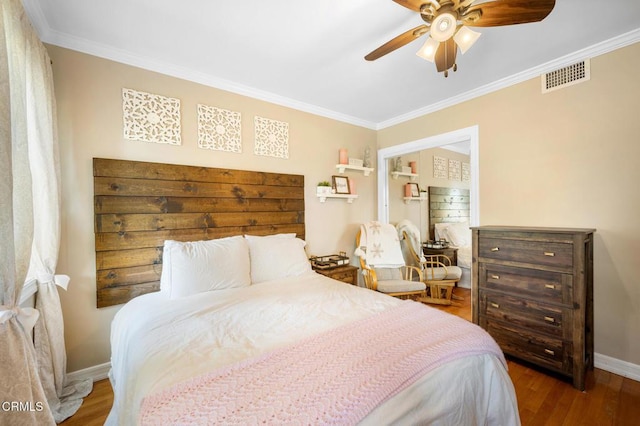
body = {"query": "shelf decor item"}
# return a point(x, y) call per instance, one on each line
point(323, 188)
point(414, 189)
point(341, 184)
point(329, 261)
point(355, 162)
point(437, 244)
point(343, 156)
point(407, 190)
point(366, 161)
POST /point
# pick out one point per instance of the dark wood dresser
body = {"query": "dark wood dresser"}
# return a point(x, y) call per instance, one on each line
point(532, 290)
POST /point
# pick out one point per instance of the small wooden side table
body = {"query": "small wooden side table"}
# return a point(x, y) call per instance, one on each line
point(346, 273)
point(451, 253)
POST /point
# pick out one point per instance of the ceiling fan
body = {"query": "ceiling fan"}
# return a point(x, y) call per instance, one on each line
point(447, 21)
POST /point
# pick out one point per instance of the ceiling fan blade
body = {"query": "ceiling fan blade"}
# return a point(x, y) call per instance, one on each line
point(397, 42)
point(446, 55)
point(412, 4)
point(510, 12)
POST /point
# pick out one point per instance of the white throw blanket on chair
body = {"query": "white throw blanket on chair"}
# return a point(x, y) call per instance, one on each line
point(380, 245)
point(414, 236)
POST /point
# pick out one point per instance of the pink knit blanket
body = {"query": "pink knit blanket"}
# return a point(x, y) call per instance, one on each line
point(336, 377)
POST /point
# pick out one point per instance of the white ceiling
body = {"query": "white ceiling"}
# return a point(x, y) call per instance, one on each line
point(309, 55)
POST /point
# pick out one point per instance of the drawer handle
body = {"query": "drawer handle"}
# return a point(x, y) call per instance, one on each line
point(551, 286)
point(495, 277)
point(495, 248)
point(549, 319)
point(549, 351)
point(495, 305)
point(549, 253)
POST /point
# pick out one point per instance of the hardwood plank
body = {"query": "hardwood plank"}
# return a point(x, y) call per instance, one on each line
point(456, 211)
point(147, 239)
point(448, 191)
point(109, 278)
point(156, 222)
point(95, 407)
point(629, 407)
point(552, 394)
point(163, 188)
point(160, 171)
point(122, 294)
point(164, 204)
point(128, 258)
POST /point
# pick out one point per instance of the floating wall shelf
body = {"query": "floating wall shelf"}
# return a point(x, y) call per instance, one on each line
point(413, 176)
point(343, 167)
point(407, 200)
point(348, 197)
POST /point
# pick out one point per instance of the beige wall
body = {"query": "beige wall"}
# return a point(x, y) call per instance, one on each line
point(89, 101)
point(566, 158)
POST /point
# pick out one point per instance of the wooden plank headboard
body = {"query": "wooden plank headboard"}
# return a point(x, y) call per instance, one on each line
point(447, 205)
point(139, 205)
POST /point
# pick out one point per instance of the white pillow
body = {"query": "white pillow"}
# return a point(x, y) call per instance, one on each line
point(275, 257)
point(459, 234)
point(440, 230)
point(197, 266)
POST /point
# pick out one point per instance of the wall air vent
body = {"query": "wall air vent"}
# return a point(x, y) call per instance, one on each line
point(567, 76)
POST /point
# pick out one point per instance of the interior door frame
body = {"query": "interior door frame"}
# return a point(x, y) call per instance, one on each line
point(467, 134)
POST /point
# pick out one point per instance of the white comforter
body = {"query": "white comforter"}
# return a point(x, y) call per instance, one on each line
point(158, 342)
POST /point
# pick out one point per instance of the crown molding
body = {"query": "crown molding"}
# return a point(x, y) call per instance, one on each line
point(165, 68)
point(595, 50)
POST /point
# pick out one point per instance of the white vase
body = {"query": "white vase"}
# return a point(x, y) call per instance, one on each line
point(323, 190)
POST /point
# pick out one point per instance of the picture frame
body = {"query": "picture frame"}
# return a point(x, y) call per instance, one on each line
point(415, 189)
point(341, 184)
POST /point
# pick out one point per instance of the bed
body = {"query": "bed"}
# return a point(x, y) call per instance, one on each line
point(449, 220)
point(243, 331)
point(212, 266)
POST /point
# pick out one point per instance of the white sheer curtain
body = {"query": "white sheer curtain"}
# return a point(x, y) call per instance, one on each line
point(30, 178)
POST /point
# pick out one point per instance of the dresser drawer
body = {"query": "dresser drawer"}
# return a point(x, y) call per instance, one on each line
point(347, 274)
point(533, 252)
point(534, 315)
point(545, 351)
point(548, 286)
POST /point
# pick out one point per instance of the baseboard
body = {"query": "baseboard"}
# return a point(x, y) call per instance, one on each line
point(603, 362)
point(95, 373)
point(616, 366)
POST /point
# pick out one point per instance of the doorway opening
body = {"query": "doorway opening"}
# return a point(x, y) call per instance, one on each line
point(467, 135)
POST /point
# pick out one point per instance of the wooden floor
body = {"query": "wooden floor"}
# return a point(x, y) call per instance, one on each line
point(543, 399)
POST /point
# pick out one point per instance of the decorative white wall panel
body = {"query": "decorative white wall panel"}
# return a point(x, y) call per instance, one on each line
point(271, 138)
point(454, 170)
point(466, 172)
point(219, 129)
point(151, 118)
point(439, 167)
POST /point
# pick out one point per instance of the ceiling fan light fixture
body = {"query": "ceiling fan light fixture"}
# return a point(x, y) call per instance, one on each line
point(465, 38)
point(443, 26)
point(428, 50)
